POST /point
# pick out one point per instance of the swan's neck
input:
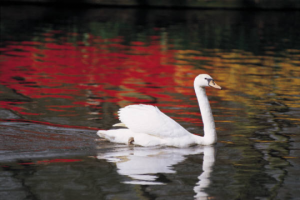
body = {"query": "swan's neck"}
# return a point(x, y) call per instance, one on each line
point(210, 135)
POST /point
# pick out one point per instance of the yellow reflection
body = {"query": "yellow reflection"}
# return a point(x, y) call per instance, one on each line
point(247, 78)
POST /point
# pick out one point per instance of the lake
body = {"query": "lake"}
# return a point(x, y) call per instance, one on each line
point(65, 72)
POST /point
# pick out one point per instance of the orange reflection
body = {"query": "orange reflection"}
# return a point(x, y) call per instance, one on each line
point(65, 79)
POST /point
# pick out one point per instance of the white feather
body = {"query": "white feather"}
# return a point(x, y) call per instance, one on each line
point(149, 119)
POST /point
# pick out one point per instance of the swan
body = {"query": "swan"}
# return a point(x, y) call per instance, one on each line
point(146, 125)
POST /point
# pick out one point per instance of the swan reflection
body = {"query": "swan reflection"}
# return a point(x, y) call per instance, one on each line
point(143, 165)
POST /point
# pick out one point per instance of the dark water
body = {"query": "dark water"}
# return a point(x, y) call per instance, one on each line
point(64, 73)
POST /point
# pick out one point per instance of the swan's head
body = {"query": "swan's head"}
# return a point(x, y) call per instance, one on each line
point(205, 80)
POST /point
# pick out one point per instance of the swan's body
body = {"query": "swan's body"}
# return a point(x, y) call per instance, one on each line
point(148, 126)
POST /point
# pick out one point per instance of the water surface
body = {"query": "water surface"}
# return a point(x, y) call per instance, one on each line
point(64, 73)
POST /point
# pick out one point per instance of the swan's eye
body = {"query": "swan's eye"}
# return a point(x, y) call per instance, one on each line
point(205, 78)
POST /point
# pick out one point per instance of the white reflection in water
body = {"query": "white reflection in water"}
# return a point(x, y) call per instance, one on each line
point(207, 167)
point(144, 164)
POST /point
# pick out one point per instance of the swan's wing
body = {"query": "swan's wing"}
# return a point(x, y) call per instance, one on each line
point(150, 120)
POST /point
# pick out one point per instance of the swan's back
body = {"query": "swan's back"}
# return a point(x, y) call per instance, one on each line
point(150, 120)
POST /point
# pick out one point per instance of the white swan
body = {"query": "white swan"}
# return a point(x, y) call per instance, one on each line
point(148, 126)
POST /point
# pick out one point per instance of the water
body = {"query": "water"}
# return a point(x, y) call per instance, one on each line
point(64, 73)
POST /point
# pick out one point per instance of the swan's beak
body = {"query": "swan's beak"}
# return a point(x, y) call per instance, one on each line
point(213, 84)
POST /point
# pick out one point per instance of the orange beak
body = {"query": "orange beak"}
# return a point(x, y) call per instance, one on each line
point(213, 84)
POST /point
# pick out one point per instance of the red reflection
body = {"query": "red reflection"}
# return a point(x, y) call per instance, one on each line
point(104, 69)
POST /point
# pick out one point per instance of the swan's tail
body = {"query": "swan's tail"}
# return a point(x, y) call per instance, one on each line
point(126, 136)
point(117, 135)
point(101, 133)
point(107, 134)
